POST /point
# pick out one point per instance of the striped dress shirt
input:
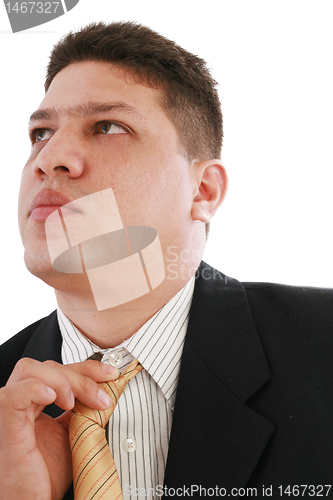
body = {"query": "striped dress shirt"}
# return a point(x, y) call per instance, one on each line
point(139, 429)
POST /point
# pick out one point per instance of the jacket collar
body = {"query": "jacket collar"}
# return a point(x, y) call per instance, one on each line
point(46, 341)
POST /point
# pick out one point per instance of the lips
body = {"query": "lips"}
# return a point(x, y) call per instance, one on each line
point(46, 202)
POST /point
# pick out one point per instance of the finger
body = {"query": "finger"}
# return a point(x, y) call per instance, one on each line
point(30, 395)
point(99, 372)
point(31, 391)
point(76, 380)
point(85, 377)
point(51, 376)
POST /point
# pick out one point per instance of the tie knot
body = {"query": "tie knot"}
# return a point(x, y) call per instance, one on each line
point(114, 389)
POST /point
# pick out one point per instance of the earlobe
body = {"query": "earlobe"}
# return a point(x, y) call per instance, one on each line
point(211, 186)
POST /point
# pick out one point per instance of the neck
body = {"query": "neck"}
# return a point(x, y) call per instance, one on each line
point(109, 327)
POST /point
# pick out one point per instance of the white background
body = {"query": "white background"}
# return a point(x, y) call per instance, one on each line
point(273, 61)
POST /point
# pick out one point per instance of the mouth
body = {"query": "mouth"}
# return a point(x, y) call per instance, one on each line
point(46, 202)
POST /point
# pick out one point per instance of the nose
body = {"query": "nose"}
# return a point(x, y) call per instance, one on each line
point(61, 155)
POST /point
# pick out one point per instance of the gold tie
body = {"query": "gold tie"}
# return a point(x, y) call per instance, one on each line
point(94, 472)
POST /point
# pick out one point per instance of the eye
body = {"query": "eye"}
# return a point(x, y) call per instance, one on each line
point(40, 134)
point(110, 128)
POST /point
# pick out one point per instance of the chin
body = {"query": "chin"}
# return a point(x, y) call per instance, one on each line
point(37, 260)
point(62, 282)
point(39, 265)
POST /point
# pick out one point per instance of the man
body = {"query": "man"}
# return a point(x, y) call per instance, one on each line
point(240, 407)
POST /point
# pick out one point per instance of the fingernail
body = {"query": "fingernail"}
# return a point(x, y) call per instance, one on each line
point(104, 398)
point(72, 399)
point(111, 370)
point(52, 393)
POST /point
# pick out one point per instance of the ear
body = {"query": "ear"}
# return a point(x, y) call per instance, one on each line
point(211, 186)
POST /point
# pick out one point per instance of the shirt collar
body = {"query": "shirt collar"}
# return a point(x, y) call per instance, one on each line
point(157, 345)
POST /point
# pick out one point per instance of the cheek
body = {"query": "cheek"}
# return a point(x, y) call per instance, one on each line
point(147, 182)
point(24, 192)
point(149, 200)
point(24, 186)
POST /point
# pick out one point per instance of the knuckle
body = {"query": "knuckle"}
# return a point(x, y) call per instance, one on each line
point(24, 365)
point(34, 385)
point(90, 365)
point(51, 363)
point(88, 362)
point(87, 384)
point(60, 373)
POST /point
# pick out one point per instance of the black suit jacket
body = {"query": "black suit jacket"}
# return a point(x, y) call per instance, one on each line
point(254, 406)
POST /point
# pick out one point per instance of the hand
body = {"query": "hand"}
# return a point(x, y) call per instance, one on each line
point(35, 457)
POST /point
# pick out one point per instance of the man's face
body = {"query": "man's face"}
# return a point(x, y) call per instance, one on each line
point(97, 129)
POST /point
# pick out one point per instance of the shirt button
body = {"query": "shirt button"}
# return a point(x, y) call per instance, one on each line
point(129, 445)
point(115, 358)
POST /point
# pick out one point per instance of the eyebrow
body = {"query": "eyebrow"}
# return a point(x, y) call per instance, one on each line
point(82, 110)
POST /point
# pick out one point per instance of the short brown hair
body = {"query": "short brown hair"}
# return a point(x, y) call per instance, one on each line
point(191, 100)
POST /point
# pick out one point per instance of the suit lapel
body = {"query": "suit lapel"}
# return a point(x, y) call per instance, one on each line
point(216, 439)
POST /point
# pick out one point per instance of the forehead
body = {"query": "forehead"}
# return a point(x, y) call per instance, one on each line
point(79, 84)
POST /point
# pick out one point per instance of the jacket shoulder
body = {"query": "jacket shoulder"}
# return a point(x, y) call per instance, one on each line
point(292, 302)
point(282, 289)
point(294, 323)
point(13, 349)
